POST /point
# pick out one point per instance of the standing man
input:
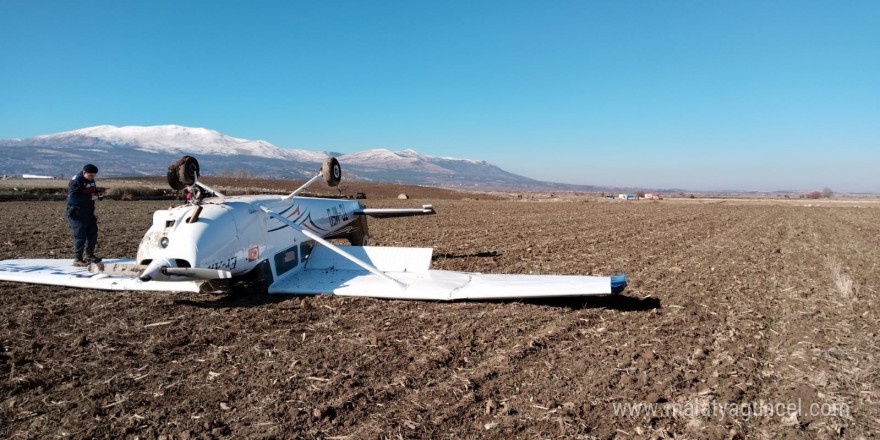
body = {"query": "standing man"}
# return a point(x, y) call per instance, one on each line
point(81, 195)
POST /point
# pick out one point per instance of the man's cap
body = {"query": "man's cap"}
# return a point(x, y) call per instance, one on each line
point(89, 168)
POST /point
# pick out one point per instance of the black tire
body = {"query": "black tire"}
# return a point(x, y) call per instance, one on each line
point(183, 172)
point(189, 170)
point(332, 171)
point(173, 181)
point(361, 235)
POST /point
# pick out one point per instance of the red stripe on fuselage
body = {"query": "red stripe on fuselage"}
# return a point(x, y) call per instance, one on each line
point(295, 212)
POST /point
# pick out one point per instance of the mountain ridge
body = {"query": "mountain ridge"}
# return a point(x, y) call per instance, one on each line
point(147, 150)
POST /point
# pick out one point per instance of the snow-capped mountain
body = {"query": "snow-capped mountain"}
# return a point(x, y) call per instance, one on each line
point(410, 166)
point(384, 159)
point(131, 151)
point(170, 139)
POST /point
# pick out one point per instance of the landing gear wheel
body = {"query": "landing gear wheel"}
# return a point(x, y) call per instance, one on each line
point(361, 235)
point(332, 171)
point(183, 173)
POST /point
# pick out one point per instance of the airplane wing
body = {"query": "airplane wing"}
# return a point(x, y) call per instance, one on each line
point(328, 272)
point(64, 273)
point(396, 212)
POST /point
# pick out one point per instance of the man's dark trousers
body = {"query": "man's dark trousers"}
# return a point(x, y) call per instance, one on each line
point(85, 228)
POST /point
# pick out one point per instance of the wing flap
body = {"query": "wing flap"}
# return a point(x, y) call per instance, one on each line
point(386, 259)
point(361, 283)
point(63, 273)
point(326, 272)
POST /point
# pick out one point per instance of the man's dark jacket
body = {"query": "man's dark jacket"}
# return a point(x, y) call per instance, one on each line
point(80, 191)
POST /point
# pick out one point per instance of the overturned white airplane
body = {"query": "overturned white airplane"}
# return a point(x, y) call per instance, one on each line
point(283, 240)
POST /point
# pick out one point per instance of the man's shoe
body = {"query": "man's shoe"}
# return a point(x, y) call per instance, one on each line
point(79, 262)
point(90, 255)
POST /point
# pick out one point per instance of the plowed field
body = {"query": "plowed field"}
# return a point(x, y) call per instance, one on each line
point(729, 305)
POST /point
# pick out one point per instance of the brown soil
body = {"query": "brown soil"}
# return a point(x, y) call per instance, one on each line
point(731, 304)
point(373, 190)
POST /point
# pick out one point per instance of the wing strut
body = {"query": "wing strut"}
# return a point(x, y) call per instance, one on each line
point(372, 269)
point(197, 183)
point(300, 189)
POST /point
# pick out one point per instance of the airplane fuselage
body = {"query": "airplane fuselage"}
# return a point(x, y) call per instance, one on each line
point(234, 234)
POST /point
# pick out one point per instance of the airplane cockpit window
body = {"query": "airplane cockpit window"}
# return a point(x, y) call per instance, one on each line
point(286, 260)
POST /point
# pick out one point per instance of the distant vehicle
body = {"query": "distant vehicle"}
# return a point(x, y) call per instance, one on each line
point(610, 197)
point(361, 196)
point(630, 196)
point(35, 176)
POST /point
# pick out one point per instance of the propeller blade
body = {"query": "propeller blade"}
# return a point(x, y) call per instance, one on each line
point(196, 272)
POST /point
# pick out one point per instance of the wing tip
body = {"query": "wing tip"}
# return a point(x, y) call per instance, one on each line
point(618, 283)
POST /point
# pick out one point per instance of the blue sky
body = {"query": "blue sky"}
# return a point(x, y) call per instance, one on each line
point(751, 95)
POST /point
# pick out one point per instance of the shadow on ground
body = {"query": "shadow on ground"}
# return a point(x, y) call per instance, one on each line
point(243, 299)
point(613, 302)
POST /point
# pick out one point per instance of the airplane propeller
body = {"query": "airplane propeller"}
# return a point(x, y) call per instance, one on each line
point(196, 272)
point(163, 267)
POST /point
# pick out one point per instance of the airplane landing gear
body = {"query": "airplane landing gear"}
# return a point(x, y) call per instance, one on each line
point(332, 171)
point(182, 173)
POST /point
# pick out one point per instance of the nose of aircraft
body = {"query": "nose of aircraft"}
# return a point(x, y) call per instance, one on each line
point(154, 270)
